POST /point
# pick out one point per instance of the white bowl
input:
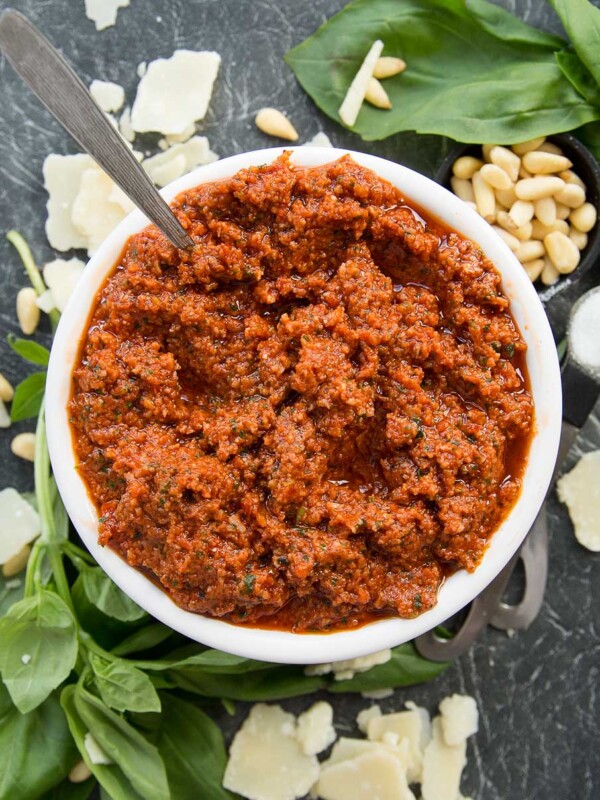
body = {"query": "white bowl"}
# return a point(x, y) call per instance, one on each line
point(460, 588)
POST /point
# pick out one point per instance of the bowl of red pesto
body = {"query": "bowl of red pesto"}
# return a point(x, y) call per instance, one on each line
point(321, 431)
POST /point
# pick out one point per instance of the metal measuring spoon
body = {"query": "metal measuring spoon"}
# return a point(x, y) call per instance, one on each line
point(580, 377)
point(57, 86)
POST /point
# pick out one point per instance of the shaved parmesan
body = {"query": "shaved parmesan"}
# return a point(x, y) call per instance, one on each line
point(178, 159)
point(266, 761)
point(45, 301)
point(378, 694)
point(459, 718)
point(61, 277)
point(93, 213)
point(346, 748)
point(315, 730)
point(62, 179)
point(345, 670)
point(355, 95)
point(579, 489)
point(104, 12)
point(109, 96)
point(377, 775)
point(176, 138)
point(406, 725)
point(442, 766)
point(95, 753)
point(366, 715)
point(175, 92)
point(127, 131)
point(320, 139)
point(170, 170)
point(5, 420)
point(20, 524)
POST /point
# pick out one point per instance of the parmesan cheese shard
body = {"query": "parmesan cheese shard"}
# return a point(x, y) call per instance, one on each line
point(177, 160)
point(93, 214)
point(109, 96)
point(442, 766)
point(127, 131)
point(175, 92)
point(345, 670)
point(45, 301)
point(62, 179)
point(459, 718)
point(355, 95)
point(95, 753)
point(579, 489)
point(320, 139)
point(411, 726)
point(366, 715)
point(378, 694)
point(61, 278)
point(315, 731)
point(167, 171)
point(346, 749)
point(266, 761)
point(104, 12)
point(20, 524)
point(377, 775)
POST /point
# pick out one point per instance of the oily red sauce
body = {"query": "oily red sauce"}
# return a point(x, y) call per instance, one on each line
point(313, 417)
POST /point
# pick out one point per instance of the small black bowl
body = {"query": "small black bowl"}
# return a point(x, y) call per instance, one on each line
point(588, 169)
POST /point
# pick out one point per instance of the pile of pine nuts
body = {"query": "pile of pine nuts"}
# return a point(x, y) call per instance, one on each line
point(533, 200)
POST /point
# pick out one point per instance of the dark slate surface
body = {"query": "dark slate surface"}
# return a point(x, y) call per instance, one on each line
point(537, 692)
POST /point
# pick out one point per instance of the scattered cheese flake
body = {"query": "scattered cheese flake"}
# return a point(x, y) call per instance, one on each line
point(315, 730)
point(345, 670)
point(377, 775)
point(442, 766)
point(177, 138)
point(378, 694)
point(164, 173)
point(266, 761)
point(95, 753)
point(175, 92)
point(118, 196)
point(346, 748)
point(109, 96)
point(25, 658)
point(320, 139)
point(579, 489)
point(127, 131)
point(409, 726)
point(62, 179)
point(459, 718)
point(355, 95)
point(179, 159)
point(20, 524)
point(45, 301)
point(142, 68)
point(5, 421)
point(104, 12)
point(61, 278)
point(366, 715)
point(93, 213)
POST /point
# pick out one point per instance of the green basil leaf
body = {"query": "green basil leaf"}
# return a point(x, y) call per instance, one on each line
point(110, 776)
point(144, 639)
point(124, 687)
point(578, 74)
point(268, 684)
point(581, 20)
point(107, 631)
point(139, 761)
point(193, 752)
point(107, 596)
point(36, 749)
point(38, 648)
point(205, 660)
point(28, 397)
point(474, 73)
point(405, 668)
point(29, 350)
point(71, 791)
point(11, 591)
point(590, 136)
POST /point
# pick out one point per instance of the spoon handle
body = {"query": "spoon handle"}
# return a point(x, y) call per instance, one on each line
point(65, 96)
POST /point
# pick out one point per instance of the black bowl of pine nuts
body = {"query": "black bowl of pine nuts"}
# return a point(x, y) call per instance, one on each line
point(540, 196)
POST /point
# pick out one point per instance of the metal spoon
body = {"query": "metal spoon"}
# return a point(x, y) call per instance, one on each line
point(57, 86)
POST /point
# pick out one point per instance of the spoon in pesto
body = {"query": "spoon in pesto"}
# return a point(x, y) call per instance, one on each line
point(62, 92)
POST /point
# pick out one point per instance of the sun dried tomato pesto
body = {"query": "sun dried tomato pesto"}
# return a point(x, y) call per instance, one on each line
point(314, 415)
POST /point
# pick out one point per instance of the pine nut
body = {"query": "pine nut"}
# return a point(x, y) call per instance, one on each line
point(549, 274)
point(486, 149)
point(562, 251)
point(80, 772)
point(568, 176)
point(540, 163)
point(540, 231)
point(17, 563)
point(521, 212)
point(495, 176)
point(545, 210)
point(530, 250)
point(463, 189)
point(570, 195)
point(506, 221)
point(523, 233)
point(550, 147)
point(535, 188)
point(5, 421)
point(23, 446)
point(507, 160)
point(28, 313)
point(507, 237)
point(578, 238)
point(388, 66)
point(534, 269)
point(524, 147)
point(6, 390)
point(584, 217)
point(376, 95)
point(272, 122)
point(562, 211)
point(485, 198)
point(506, 197)
point(466, 166)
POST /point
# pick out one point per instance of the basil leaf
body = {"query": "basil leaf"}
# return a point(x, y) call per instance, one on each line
point(71, 791)
point(139, 761)
point(36, 749)
point(578, 74)
point(107, 631)
point(122, 686)
point(475, 75)
point(206, 660)
point(144, 639)
point(106, 596)
point(193, 752)
point(581, 21)
point(38, 648)
point(110, 776)
point(29, 350)
point(268, 684)
point(11, 591)
point(28, 397)
point(405, 668)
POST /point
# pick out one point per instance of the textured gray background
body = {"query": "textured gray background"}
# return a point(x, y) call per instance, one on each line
point(537, 692)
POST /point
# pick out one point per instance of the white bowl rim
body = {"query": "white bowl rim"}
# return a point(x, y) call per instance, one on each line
point(462, 587)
